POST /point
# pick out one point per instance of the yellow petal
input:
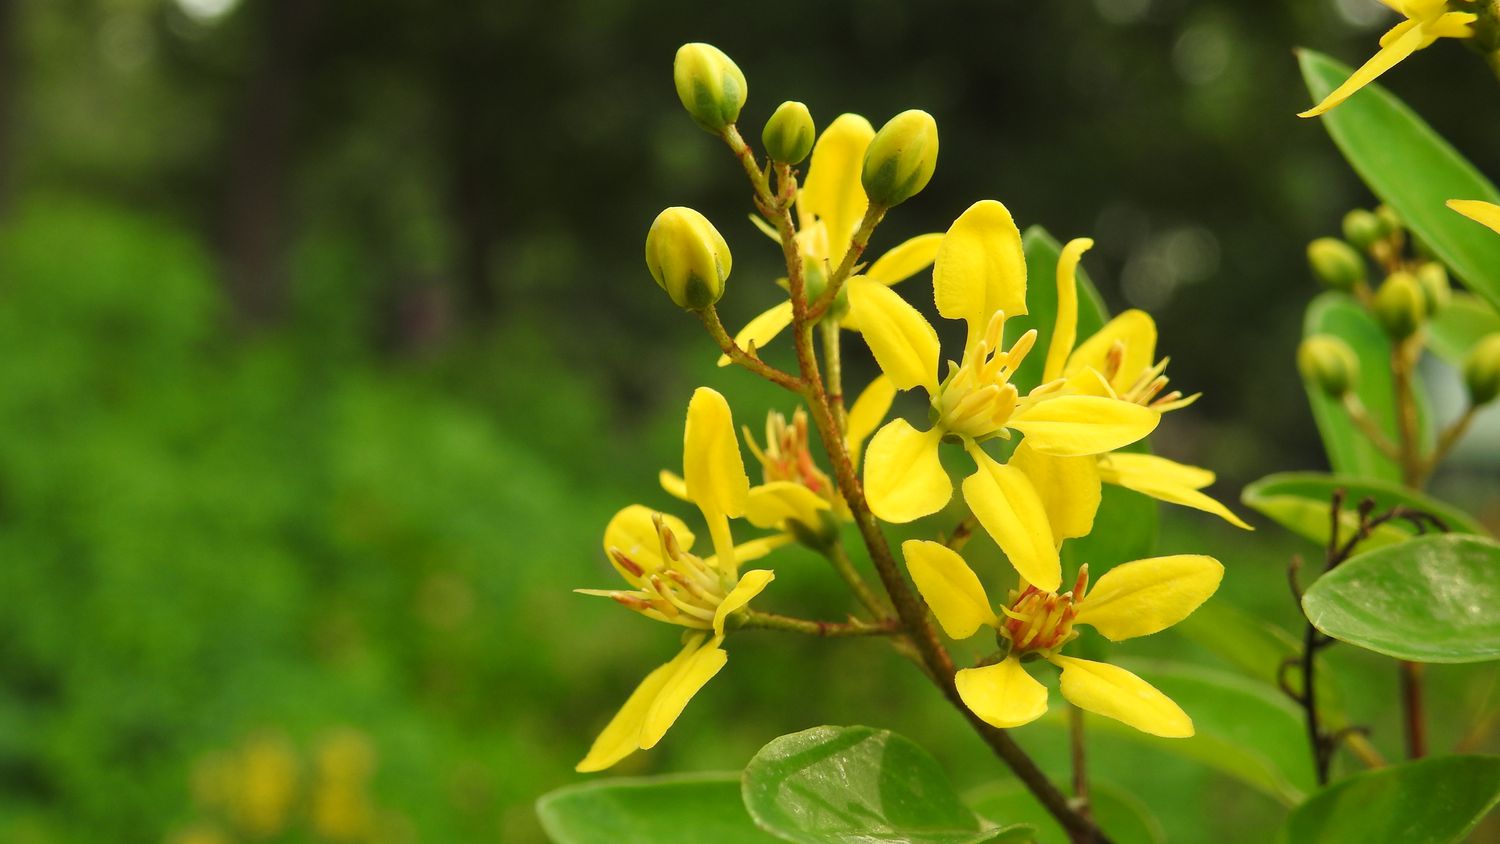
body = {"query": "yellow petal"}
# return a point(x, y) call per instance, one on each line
point(1068, 486)
point(1002, 695)
point(904, 476)
point(751, 583)
point(1113, 692)
point(685, 681)
point(771, 504)
point(1135, 332)
point(633, 532)
point(1392, 53)
point(1397, 31)
point(1165, 480)
point(1008, 507)
point(1480, 212)
point(1065, 330)
point(1146, 596)
point(832, 190)
point(673, 484)
point(949, 586)
point(981, 267)
point(755, 549)
point(868, 412)
point(904, 344)
point(763, 329)
point(711, 461)
point(1451, 25)
point(621, 736)
point(1073, 426)
point(906, 260)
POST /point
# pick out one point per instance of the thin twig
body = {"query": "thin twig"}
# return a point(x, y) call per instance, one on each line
point(755, 619)
point(1081, 803)
point(711, 321)
point(857, 244)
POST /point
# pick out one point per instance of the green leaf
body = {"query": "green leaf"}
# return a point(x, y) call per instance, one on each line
point(857, 784)
point(1256, 647)
point(1042, 252)
point(1460, 326)
point(1432, 599)
point(1349, 451)
point(1299, 502)
point(1412, 169)
point(1119, 813)
point(685, 809)
point(1430, 801)
point(1125, 529)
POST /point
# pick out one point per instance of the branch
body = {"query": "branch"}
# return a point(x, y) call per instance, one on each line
point(754, 619)
point(710, 319)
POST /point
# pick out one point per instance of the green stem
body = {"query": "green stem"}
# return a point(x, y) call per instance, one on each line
point(832, 359)
point(846, 570)
point(710, 318)
point(824, 629)
point(873, 215)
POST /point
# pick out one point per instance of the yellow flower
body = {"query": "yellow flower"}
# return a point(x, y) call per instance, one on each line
point(830, 206)
point(1426, 22)
point(980, 277)
point(1134, 599)
point(653, 553)
point(1480, 212)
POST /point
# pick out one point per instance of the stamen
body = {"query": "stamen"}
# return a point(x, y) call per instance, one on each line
point(630, 566)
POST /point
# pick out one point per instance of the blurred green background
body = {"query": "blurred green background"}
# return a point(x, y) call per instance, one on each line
point(326, 351)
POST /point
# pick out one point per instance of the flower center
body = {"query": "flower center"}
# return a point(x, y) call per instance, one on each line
point(787, 455)
point(684, 589)
point(1042, 621)
point(977, 398)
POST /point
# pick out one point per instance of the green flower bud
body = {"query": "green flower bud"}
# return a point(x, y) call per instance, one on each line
point(688, 258)
point(1436, 291)
point(900, 159)
point(1363, 229)
point(1400, 306)
point(710, 85)
point(1482, 370)
point(789, 134)
point(1328, 362)
point(1335, 263)
point(1390, 221)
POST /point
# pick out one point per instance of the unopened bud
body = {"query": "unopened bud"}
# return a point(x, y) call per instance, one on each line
point(1482, 370)
point(710, 85)
point(1363, 229)
point(789, 134)
point(688, 258)
point(1400, 305)
point(1335, 263)
point(900, 159)
point(1436, 291)
point(1328, 362)
point(1390, 221)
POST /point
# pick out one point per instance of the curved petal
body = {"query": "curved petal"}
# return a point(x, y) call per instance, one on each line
point(1065, 329)
point(867, 413)
point(1146, 596)
point(762, 329)
point(1068, 486)
point(906, 260)
point(949, 586)
point(751, 583)
point(832, 189)
point(633, 532)
point(755, 549)
point(1450, 25)
point(980, 267)
point(673, 484)
point(1113, 692)
point(1166, 480)
point(1008, 507)
point(1074, 426)
point(621, 736)
point(1134, 331)
point(1484, 213)
point(904, 344)
point(771, 504)
point(690, 676)
point(711, 463)
point(1002, 695)
point(904, 475)
point(1392, 52)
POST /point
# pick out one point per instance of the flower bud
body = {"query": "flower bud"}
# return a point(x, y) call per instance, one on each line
point(1390, 221)
point(1362, 229)
point(1436, 291)
point(1328, 362)
point(789, 134)
point(1400, 306)
point(710, 85)
point(1335, 263)
point(1482, 370)
point(688, 258)
point(900, 159)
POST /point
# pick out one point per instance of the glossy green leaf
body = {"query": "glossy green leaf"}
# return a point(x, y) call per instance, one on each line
point(650, 810)
point(1430, 801)
point(1460, 326)
point(850, 785)
point(1042, 252)
point(1349, 451)
point(1412, 169)
point(1431, 599)
point(1118, 812)
point(1299, 502)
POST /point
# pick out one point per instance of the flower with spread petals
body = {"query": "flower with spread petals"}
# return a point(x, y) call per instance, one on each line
point(830, 206)
point(668, 583)
point(1426, 22)
point(1130, 600)
point(980, 277)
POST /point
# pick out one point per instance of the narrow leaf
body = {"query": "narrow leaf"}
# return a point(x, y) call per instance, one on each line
point(1300, 501)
